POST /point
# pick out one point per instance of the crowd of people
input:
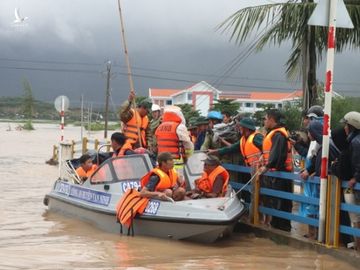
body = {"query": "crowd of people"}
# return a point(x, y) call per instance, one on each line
point(268, 148)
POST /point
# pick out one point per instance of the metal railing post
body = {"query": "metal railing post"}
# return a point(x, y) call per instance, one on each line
point(84, 145)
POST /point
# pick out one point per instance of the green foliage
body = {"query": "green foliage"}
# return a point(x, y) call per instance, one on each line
point(278, 23)
point(100, 126)
point(28, 125)
point(293, 118)
point(341, 106)
point(228, 105)
point(188, 111)
point(28, 101)
point(291, 111)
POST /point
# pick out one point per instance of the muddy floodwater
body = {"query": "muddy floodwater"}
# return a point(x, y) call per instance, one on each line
point(32, 238)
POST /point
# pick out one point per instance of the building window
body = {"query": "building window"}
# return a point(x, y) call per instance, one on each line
point(260, 105)
point(249, 105)
point(279, 105)
point(169, 102)
point(189, 96)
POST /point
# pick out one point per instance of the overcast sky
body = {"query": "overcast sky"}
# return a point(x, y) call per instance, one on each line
point(64, 45)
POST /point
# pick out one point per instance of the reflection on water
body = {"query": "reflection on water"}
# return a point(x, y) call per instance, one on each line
point(32, 238)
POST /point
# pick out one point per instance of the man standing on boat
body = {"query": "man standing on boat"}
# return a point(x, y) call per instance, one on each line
point(136, 122)
point(163, 182)
point(172, 136)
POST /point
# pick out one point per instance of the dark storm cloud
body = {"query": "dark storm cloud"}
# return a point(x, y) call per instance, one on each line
point(167, 35)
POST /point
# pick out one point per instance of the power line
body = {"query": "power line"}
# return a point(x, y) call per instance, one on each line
point(140, 68)
point(150, 77)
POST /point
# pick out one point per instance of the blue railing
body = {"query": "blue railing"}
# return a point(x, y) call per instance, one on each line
point(296, 179)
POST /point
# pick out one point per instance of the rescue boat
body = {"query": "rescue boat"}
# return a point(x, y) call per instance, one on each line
point(94, 201)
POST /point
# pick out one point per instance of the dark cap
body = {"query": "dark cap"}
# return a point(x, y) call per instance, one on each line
point(201, 120)
point(247, 123)
point(192, 123)
point(212, 160)
point(146, 103)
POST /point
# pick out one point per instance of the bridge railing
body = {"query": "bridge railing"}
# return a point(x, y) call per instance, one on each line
point(333, 206)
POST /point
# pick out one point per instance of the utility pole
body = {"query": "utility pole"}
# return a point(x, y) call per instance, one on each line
point(82, 116)
point(107, 95)
point(108, 76)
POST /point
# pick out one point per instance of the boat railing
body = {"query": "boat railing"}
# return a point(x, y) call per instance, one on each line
point(334, 202)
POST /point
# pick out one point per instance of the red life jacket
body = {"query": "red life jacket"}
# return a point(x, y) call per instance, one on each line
point(166, 136)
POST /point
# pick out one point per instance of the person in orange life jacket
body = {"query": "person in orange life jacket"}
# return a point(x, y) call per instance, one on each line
point(120, 145)
point(213, 183)
point(172, 136)
point(136, 120)
point(87, 168)
point(250, 148)
point(276, 157)
point(249, 145)
point(163, 182)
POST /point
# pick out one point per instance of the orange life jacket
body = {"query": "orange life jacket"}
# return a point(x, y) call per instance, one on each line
point(249, 151)
point(206, 182)
point(267, 144)
point(127, 146)
point(166, 136)
point(131, 130)
point(86, 174)
point(166, 180)
point(130, 204)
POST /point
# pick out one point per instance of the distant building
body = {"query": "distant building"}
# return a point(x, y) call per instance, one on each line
point(202, 96)
point(254, 101)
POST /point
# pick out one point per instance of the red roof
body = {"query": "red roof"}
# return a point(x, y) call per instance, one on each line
point(261, 95)
point(154, 92)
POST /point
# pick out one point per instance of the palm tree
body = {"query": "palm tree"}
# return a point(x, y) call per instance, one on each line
point(283, 22)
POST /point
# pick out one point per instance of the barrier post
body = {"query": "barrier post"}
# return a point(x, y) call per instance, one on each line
point(333, 212)
point(55, 155)
point(72, 149)
point(84, 145)
point(108, 146)
point(96, 144)
point(255, 201)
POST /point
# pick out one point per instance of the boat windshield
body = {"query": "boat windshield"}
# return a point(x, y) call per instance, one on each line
point(132, 167)
point(195, 164)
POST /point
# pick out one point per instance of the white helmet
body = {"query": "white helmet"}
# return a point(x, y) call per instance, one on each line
point(352, 118)
point(155, 108)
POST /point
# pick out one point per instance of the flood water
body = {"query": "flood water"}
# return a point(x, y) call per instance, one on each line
point(32, 238)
